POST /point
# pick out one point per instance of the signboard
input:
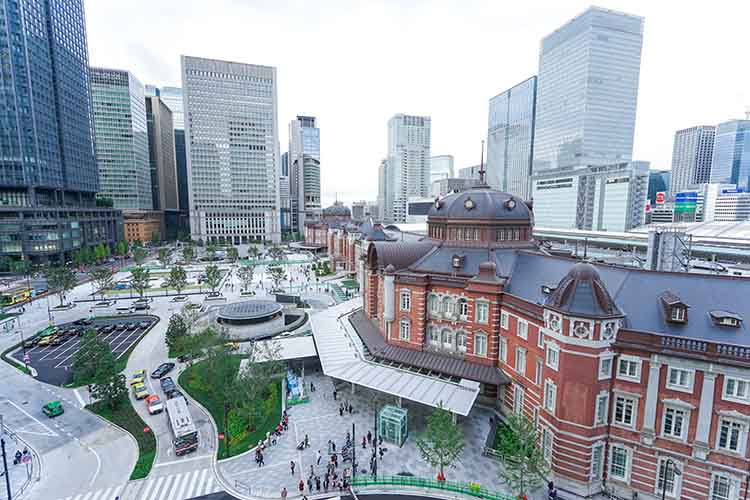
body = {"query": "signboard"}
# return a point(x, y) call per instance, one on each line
point(648, 206)
point(686, 201)
point(661, 197)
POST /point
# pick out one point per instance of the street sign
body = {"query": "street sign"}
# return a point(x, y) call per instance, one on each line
point(26, 359)
point(661, 197)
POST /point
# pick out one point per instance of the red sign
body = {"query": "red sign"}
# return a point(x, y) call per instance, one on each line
point(648, 206)
point(661, 197)
point(221, 436)
point(147, 429)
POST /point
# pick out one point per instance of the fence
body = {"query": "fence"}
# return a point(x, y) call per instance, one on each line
point(471, 489)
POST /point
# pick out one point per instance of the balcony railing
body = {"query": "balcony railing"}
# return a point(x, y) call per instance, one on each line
point(397, 482)
point(689, 346)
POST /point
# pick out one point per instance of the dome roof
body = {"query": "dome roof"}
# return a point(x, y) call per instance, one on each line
point(481, 203)
point(337, 210)
point(582, 292)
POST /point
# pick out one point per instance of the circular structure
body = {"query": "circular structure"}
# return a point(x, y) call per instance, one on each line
point(337, 210)
point(481, 203)
point(249, 312)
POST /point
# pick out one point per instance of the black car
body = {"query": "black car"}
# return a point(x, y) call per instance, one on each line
point(184, 358)
point(82, 322)
point(162, 370)
point(132, 326)
point(175, 393)
point(167, 385)
point(31, 342)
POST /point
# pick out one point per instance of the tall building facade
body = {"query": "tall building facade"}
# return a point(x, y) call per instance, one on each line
point(731, 156)
point(587, 90)
point(48, 174)
point(304, 164)
point(598, 197)
point(383, 191)
point(172, 97)
point(510, 138)
point(441, 167)
point(231, 129)
point(165, 194)
point(408, 163)
point(658, 182)
point(120, 128)
point(469, 172)
point(692, 153)
point(285, 205)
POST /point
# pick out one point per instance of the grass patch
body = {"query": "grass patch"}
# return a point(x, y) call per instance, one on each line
point(191, 381)
point(126, 417)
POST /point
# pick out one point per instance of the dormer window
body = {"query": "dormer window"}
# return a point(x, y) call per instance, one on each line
point(679, 314)
point(457, 261)
point(675, 310)
point(548, 289)
point(726, 318)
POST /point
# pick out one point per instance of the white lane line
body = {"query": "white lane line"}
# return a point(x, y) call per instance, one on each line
point(201, 482)
point(98, 465)
point(99, 493)
point(155, 493)
point(182, 461)
point(179, 488)
point(209, 484)
point(74, 346)
point(149, 485)
point(191, 488)
point(87, 496)
point(50, 432)
point(80, 399)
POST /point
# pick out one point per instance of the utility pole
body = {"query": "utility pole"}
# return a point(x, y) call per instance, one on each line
point(354, 453)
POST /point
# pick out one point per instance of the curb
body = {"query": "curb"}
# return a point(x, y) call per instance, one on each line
point(117, 427)
point(30, 481)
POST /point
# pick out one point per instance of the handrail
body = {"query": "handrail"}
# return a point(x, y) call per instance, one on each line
point(471, 489)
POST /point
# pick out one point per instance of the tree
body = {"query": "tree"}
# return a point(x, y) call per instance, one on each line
point(99, 253)
point(221, 375)
point(276, 253)
point(62, 279)
point(102, 278)
point(177, 279)
point(277, 275)
point(177, 332)
point(245, 274)
point(94, 361)
point(110, 388)
point(233, 254)
point(252, 252)
point(165, 256)
point(139, 255)
point(443, 441)
point(254, 396)
point(155, 238)
point(188, 253)
point(213, 278)
point(524, 466)
point(210, 253)
point(139, 279)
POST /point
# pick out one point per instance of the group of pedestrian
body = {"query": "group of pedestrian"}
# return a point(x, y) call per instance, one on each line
point(271, 439)
point(345, 407)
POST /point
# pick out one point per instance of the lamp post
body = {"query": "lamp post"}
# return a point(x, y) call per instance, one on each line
point(676, 472)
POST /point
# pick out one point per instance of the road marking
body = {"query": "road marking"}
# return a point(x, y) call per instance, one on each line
point(98, 465)
point(99, 493)
point(185, 460)
point(50, 433)
point(189, 492)
point(87, 496)
point(209, 485)
point(175, 486)
point(202, 481)
point(152, 484)
point(80, 399)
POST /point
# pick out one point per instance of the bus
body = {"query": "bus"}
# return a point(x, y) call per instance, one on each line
point(14, 295)
point(184, 432)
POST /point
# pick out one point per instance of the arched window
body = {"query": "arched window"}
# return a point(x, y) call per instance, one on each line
point(461, 341)
point(404, 329)
point(405, 302)
point(447, 305)
point(447, 339)
point(433, 336)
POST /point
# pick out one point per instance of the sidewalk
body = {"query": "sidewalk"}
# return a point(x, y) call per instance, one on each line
point(21, 475)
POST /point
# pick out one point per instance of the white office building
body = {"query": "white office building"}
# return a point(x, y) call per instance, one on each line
point(597, 197)
point(725, 203)
point(692, 152)
point(587, 91)
point(441, 167)
point(232, 142)
point(408, 164)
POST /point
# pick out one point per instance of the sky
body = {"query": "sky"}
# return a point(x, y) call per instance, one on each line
point(354, 64)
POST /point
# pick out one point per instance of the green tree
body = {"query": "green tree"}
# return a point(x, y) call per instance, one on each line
point(110, 388)
point(188, 253)
point(276, 253)
point(442, 442)
point(252, 252)
point(165, 256)
point(221, 375)
point(60, 278)
point(524, 466)
point(233, 254)
point(245, 274)
point(139, 280)
point(102, 278)
point(99, 253)
point(177, 279)
point(177, 332)
point(155, 238)
point(277, 275)
point(254, 396)
point(94, 361)
point(213, 278)
point(210, 253)
point(139, 255)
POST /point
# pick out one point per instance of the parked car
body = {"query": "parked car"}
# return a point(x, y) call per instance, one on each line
point(154, 404)
point(58, 340)
point(82, 322)
point(184, 358)
point(132, 326)
point(167, 385)
point(141, 306)
point(53, 409)
point(162, 370)
point(140, 391)
point(139, 377)
point(144, 324)
point(125, 310)
point(176, 393)
point(45, 341)
point(121, 326)
point(32, 342)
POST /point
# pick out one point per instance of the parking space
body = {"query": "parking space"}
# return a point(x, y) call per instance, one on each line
point(53, 359)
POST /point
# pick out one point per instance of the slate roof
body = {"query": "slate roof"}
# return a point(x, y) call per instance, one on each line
point(582, 293)
point(400, 254)
point(431, 361)
point(440, 260)
point(485, 204)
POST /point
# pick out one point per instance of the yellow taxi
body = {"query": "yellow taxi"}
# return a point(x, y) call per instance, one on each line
point(140, 391)
point(138, 377)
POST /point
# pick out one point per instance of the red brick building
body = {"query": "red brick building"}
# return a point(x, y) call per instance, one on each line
point(628, 374)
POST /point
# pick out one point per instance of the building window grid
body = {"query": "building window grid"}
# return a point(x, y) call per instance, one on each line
point(550, 396)
point(625, 411)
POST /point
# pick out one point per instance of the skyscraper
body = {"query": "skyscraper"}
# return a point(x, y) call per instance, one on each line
point(172, 97)
point(161, 155)
point(510, 139)
point(587, 90)
point(121, 138)
point(731, 156)
point(382, 201)
point(408, 163)
point(232, 150)
point(441, 167)
point(304, 166)
point(285, 203)
point(691, 157)
point(48, 175)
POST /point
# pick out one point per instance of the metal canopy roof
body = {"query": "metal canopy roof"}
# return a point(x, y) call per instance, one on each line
point(341, 354)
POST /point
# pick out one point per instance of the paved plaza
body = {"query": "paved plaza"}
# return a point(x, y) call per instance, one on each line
point(320, 420)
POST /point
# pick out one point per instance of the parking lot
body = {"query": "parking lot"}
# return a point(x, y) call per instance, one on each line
point(54, 363)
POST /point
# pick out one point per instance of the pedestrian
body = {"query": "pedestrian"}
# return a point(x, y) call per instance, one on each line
point(317, 483)
point(380, 440)
point(307, 441)
point(330, 447)
point(364, 443)
point(312, 387)
point(284, 493)
point(262, 462)
point(341, 409)
point(309, 484)
point(381, 453)
point(301, 486)
point(369, 437)
point(334, 446)
point(319, 456)
point(312, 471)
point(335, 393)
point(326, 484)
point(351, 409)
point(291, 466)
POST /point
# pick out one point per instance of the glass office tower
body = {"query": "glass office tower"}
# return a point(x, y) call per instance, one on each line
point(48, 173)
point(121, 138)
point(304, 166)
point(587, 90)
point(510, 139)
point(731, 160)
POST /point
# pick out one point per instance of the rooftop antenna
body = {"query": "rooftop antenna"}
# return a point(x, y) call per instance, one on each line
point(481, 167)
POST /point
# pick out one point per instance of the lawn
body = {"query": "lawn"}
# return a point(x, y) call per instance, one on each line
point(127, 418)
point(192, 381)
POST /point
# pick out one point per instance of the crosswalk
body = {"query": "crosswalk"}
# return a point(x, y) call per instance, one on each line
point(178, 486)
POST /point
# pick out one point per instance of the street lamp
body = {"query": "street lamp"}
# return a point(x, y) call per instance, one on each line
point(676, 471)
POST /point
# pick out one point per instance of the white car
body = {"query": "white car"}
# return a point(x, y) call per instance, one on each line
point(154, 404)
